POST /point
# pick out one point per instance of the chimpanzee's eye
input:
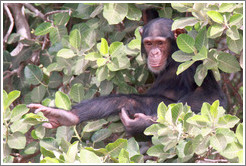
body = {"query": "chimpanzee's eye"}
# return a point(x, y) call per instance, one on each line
point(148, 43)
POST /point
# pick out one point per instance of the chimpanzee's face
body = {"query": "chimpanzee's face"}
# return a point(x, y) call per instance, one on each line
point(156, 43)
point(157, 50)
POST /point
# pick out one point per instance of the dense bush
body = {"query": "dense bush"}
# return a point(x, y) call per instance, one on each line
point(61, 54)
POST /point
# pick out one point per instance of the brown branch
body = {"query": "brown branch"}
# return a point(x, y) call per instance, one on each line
point(36, 11)
point(55, 12)
point(235, 92)
point(21, 25)
point(11, 26)
point(212, 161)
point(15, 71)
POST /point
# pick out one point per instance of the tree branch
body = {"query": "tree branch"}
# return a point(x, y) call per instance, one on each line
point(36, 11)
point(11, 26)
point(21, 25)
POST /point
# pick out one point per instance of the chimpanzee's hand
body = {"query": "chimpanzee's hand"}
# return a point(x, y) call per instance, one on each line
point(138, 124)
point(57, 117)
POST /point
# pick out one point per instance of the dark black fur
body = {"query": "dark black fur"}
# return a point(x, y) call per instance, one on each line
point(168, 87)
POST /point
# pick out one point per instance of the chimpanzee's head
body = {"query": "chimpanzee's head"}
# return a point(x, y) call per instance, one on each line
point(158, 43)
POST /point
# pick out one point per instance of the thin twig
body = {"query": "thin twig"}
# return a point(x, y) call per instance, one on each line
point(36, 11)
point(57, 11)
point(15, 71)
point(11, 26)
point(236, 94)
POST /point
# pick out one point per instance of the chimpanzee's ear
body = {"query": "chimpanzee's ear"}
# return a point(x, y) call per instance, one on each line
point(141, 31)
point(177, 32)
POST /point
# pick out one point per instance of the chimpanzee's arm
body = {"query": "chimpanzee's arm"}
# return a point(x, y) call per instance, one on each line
point(104, 106)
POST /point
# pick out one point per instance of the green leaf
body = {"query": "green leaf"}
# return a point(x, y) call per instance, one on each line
point(43, 29)
point(116, 127)
point(177, 109)
point(186, 43)
point(215, 16)
point(166, 12)
point(49, 160)
point(104, 47)
point(113, 65)
point(18, 112)
point(228, 63)
point(235, 45)
point(115, 147)
point(93, 56)
point(38, 94)
point(101, 62)
point(20, 126)
point(180, 56)
point(77, 92)
point(123, 61)
point(161, 111)
point(115, 49)
point(228, 121)
point(201, 39)
point(114, 13)
point(8, 99)
point(87, 156)
point(188, 149)
point(153, 129)
point(101, 135)
point(62, 101)
point(231, 151)
point(133, 13)
point(201, 73)
point(132, 147)
point(102, 73)
point(66, 53)
point(181, 7)
point(61, 18)
point(182, 67)
point(75, 39)
point(210, 62)
point(227, 133)
point(64, 133)
point(218, 142)
point(233, 33)
point(13, 38)
point(214, 109)
point(57, 33)
point(156, 150)
point(199, 121)
point(124, 156)
point(49, 143)
point(240, 155)
point(106, 87)
point(17, 140)
point(47, 153)
point(94, 125)
point(40, 132)
point(183, 22)
point(205, 111)
point(55, 80)
point(201, 55)
point(71, 153)
point(239, 133)
point(215, 31)
point(31, 148)
point(227, 7)
point(33, 74)
point(236, 19)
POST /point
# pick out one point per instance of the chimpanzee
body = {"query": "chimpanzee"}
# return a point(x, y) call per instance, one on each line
point(138, 111)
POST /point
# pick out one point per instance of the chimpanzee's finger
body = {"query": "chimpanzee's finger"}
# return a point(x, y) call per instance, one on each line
point(34, 106)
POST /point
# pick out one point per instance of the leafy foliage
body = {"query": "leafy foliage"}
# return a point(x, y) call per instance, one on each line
point(78, 51)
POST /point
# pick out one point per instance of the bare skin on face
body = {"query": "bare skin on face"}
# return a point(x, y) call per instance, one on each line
point(156, 49)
